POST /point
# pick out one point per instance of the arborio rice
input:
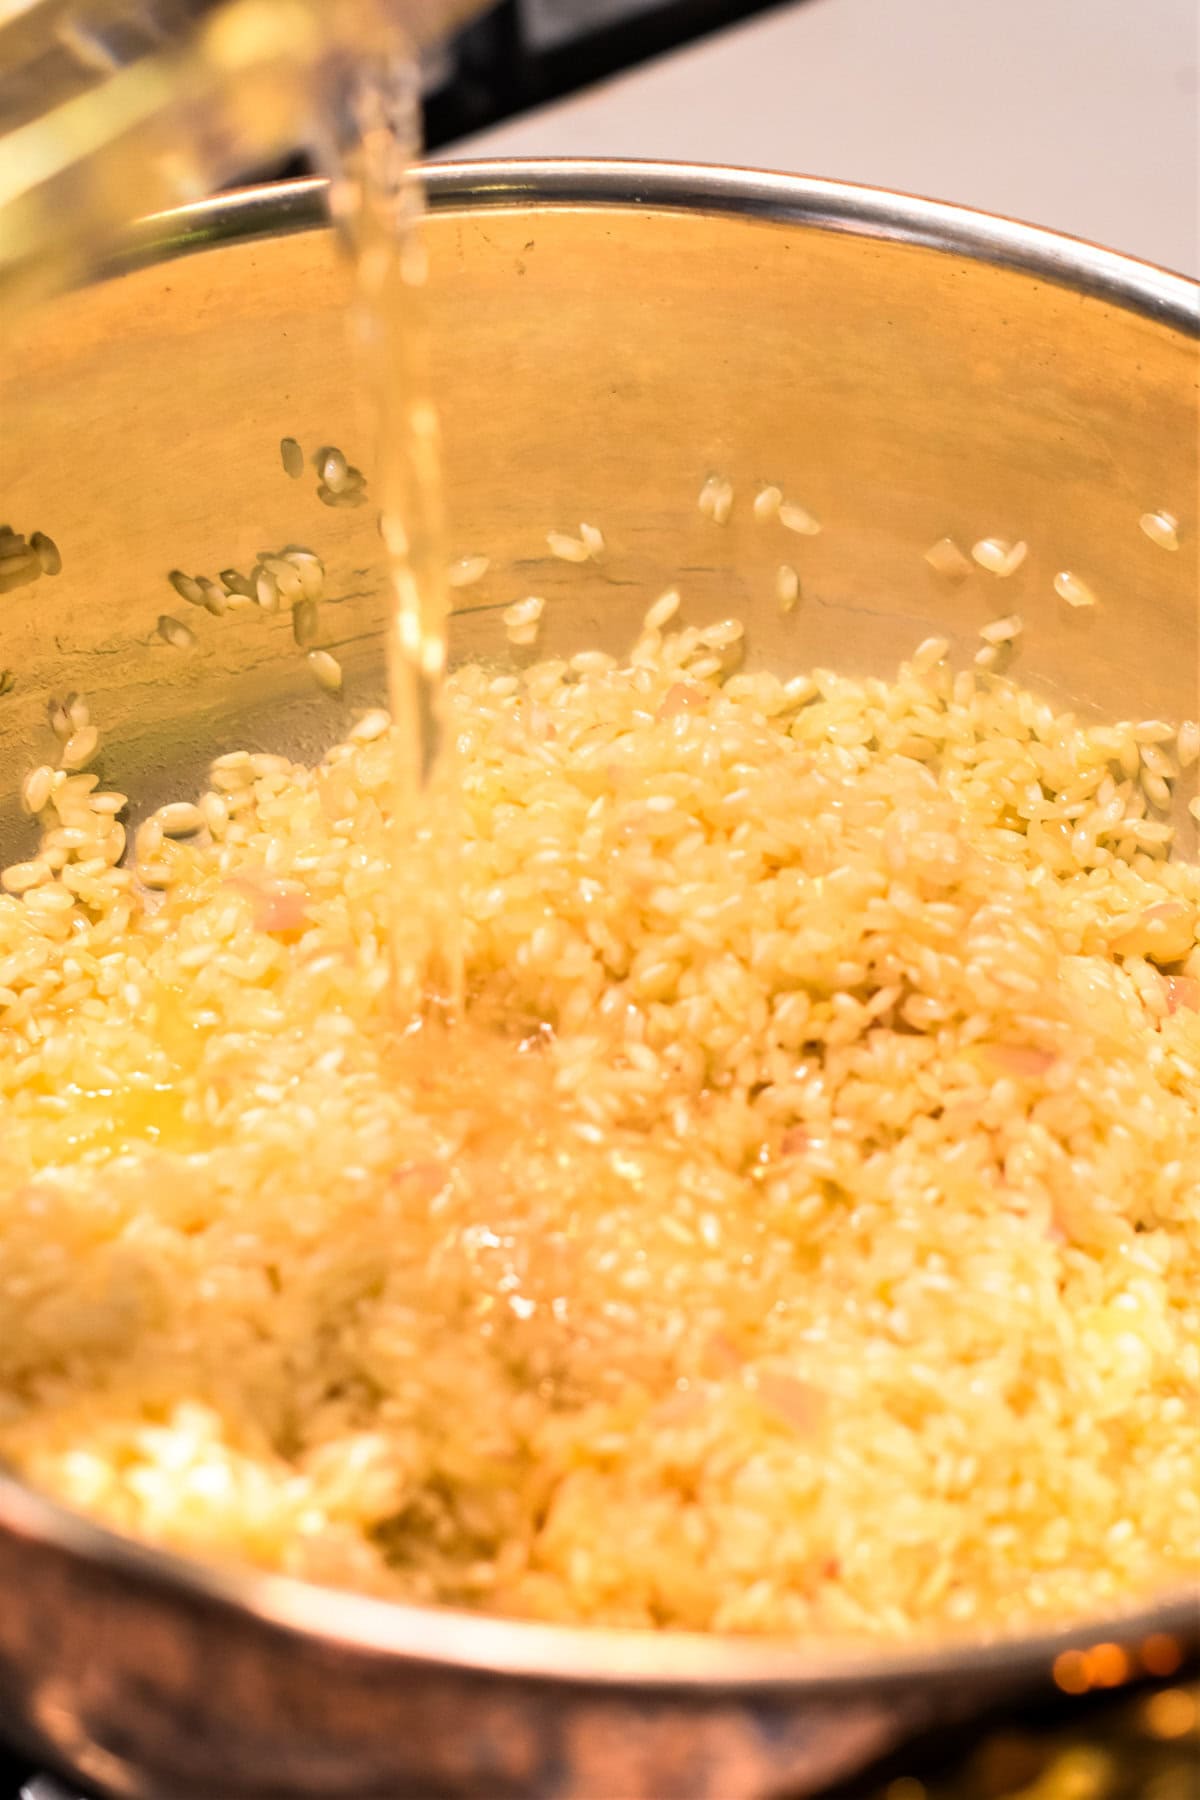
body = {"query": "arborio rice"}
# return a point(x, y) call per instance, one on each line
point(803, 1235)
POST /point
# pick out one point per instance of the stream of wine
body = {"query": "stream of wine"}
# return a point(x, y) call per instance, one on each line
point(377, 201)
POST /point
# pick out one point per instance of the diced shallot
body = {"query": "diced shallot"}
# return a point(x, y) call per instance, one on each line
point(276, 907)
point(682, 697)
point(1183, 993)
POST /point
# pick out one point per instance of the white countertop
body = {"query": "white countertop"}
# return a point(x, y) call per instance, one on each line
point(1079, 114)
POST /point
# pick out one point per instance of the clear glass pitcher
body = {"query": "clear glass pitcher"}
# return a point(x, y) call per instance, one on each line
point(114, 108)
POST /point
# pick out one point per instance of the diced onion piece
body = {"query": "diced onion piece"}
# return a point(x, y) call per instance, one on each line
point(683, 697)
point(275, 906)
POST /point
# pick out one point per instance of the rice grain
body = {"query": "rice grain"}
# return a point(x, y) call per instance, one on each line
point(213, 597)
point(787, 587)
point(180, 818)
point(187, 587)
point(1073, 590)
point(80, 748)
point(306, 622)
point(998, 556)
point(174, 632)
point(1002, 631)
point(35, 789)
point(928, 653)
point(47, 552)
point(19, 878)
point(1162, 528)
point(795, 518)
point(715, 499)
point(286, 575)
point(567, 548)
point(326, 671)
point(334, 470)
point(467, 571)
point(266, 590)
point(662, 611)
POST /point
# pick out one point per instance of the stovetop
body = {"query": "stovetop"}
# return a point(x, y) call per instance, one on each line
point(1138, 1744)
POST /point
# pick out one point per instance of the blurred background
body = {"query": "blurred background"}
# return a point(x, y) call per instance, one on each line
point(1078, 114)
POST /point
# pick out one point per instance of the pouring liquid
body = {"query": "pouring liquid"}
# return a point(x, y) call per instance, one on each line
point(377, 200)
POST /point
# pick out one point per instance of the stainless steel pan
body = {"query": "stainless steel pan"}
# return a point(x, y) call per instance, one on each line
point(607, 335)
